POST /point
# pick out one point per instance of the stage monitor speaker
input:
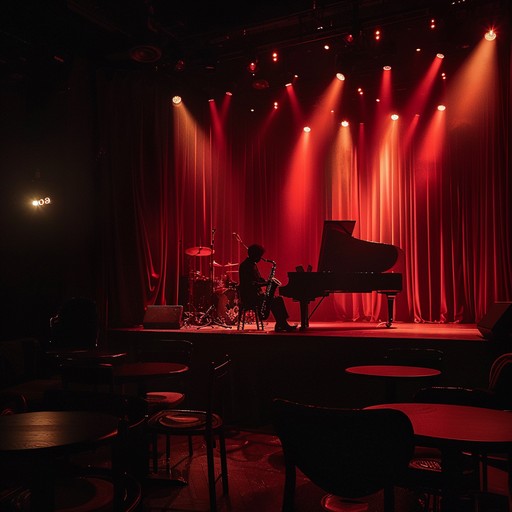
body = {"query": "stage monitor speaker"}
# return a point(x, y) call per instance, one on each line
point(497, 322)
point(163, 317)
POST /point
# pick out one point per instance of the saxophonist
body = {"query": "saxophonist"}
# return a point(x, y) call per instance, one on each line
point(251, 286)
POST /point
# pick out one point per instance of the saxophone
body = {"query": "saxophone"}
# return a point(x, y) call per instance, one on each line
point(272, 285)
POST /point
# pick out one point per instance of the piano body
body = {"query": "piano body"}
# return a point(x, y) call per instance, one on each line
point(345, 264)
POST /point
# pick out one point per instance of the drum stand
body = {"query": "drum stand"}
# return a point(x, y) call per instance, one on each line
point(210, 317)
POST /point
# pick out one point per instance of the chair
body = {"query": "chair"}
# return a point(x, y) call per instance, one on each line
point(349, 453)
point(243, 309)
point(131, 410)
point(168, 392)
point(207, 423)
point(12, 403)
point(425, 466)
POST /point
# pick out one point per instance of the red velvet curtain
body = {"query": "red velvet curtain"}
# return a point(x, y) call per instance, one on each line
point(438, 186)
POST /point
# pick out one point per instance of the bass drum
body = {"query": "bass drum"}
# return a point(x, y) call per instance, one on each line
point(202, 289)
point(227, 306)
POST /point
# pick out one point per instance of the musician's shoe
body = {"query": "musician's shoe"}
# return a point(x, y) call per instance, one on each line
point(285, 328)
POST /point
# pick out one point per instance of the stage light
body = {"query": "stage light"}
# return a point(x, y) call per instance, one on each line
point(307, 129)
point(441, 107)
point(394, 117)
point(344, 123)
point(387, 68)
point(229, 93)
point(252, 67)
point(176, 101)
point(360, 91)
point(327, 47)
point(440, 55)
point(432, 23)
point(276, 105)
point(377, 35)
point(275, 56)
point(289, 84)
point(490, 35)
point(340, 76)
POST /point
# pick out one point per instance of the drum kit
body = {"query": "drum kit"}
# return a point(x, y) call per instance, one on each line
point(213, 298)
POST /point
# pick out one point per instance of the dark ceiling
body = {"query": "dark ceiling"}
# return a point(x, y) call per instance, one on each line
point(206, 38)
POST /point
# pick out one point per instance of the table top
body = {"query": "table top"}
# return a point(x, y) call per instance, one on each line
point(142, 370)
point(458, 426)
point(101, 356)
point(31, 432)
point(393, 371)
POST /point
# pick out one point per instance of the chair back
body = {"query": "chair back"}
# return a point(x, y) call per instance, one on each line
point(350, 453)
point(219, 396)
point(12, 403)
point(500, 380)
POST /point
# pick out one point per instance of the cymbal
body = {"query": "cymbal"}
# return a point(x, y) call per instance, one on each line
point(228, 264)
point(199, 251)
point(215, 264)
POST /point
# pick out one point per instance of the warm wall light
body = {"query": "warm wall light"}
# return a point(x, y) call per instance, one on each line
point(43, 201)
point(176, 100)
point(490, 35)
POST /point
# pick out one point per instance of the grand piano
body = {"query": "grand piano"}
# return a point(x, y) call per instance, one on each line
point(345, 264)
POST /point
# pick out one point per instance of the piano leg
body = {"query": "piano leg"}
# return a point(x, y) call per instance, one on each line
point(391, 303)
point(304, 315)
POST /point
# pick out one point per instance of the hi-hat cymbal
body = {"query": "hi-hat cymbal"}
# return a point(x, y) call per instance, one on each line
point(228, 264)
point(199, 251)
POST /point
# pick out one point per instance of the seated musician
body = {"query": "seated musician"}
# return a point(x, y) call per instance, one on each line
point(251, 289)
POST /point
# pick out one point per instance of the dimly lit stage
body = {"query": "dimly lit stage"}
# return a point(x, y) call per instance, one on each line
point(309, 365)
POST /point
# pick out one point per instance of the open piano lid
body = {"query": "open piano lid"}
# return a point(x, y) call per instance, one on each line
point(340, 252)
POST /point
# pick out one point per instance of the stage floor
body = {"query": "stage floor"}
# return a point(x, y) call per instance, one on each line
point(399, 330)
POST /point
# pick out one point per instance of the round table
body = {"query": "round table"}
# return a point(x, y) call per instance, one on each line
point(33, 440)
point(140, 373)
point(457, 428)
point(391, 374)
